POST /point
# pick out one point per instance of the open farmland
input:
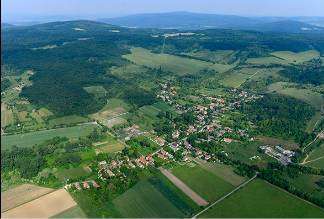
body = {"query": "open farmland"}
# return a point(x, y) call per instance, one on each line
point(143, 200)
point(20, 195)
point(67, 120)
point(206, 184)
point(43, 207)
point(32, 138)
point(219, 56)
point(237, 77)
point(296, 58)
point(223, 171)
point(313, 98)
point(175, 64)
point(262, 200)
point(71, 173)
point(109, 144)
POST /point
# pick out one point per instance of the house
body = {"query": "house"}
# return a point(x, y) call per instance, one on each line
point(160, 141)
point(77, 186)
point(95, 184)
point(85, 185)
point(227, 140)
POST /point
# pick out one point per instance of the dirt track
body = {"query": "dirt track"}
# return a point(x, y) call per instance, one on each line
point(43, 207)
point(183, 187)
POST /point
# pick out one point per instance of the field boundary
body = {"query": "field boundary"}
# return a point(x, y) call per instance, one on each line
point(29, 200)
point(225, 196)
point(184, 188)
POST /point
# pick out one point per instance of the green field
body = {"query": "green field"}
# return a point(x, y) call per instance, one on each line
point(262, 200)
point(71, 173)
point(223, 171)
point(237, 77)
point(220, 56)
point(306, 95)
point(307, 183)
point(316, 157)
point(74, 212)
point(298, 57)
point(244, 151)
point(67, 120)
point(175, 64)
point(144, 200)
point(285, 58)
point(206, 184)
point(32, 138)
point(314, 121)
point(109, 145)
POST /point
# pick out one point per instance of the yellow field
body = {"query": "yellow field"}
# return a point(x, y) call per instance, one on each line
point(20, 195)
point(44, 207)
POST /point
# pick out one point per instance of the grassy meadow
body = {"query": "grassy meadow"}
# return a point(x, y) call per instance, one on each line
point(32, 138)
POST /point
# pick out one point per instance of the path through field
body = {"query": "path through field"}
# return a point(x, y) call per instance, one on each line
point(183, 187)
point(225, 196)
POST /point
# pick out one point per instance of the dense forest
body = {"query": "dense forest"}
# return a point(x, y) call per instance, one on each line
point(280, 116)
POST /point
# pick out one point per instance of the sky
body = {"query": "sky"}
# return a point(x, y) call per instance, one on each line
point(22, 10)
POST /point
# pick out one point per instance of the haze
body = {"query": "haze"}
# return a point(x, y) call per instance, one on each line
point(22, 10)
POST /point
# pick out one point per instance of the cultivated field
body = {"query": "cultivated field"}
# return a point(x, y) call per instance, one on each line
point(175, 64)
point(143, 200)
point(32, 138)
point(262, 200)
point(20, 195)
point(223, 171)
point(206, 184)
point(43, 207)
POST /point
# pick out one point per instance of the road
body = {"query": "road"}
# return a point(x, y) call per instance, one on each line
point(225, 196)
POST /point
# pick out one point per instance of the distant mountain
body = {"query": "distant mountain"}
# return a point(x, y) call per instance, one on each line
point(6, 25)
point(181, 20)
point(188, 20)
point(288, 26)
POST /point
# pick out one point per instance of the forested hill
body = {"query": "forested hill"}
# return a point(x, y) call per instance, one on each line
point(188, 20)
point(68, 56)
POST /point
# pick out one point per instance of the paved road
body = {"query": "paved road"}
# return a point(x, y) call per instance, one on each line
point(225, 196)
point(183, 187)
